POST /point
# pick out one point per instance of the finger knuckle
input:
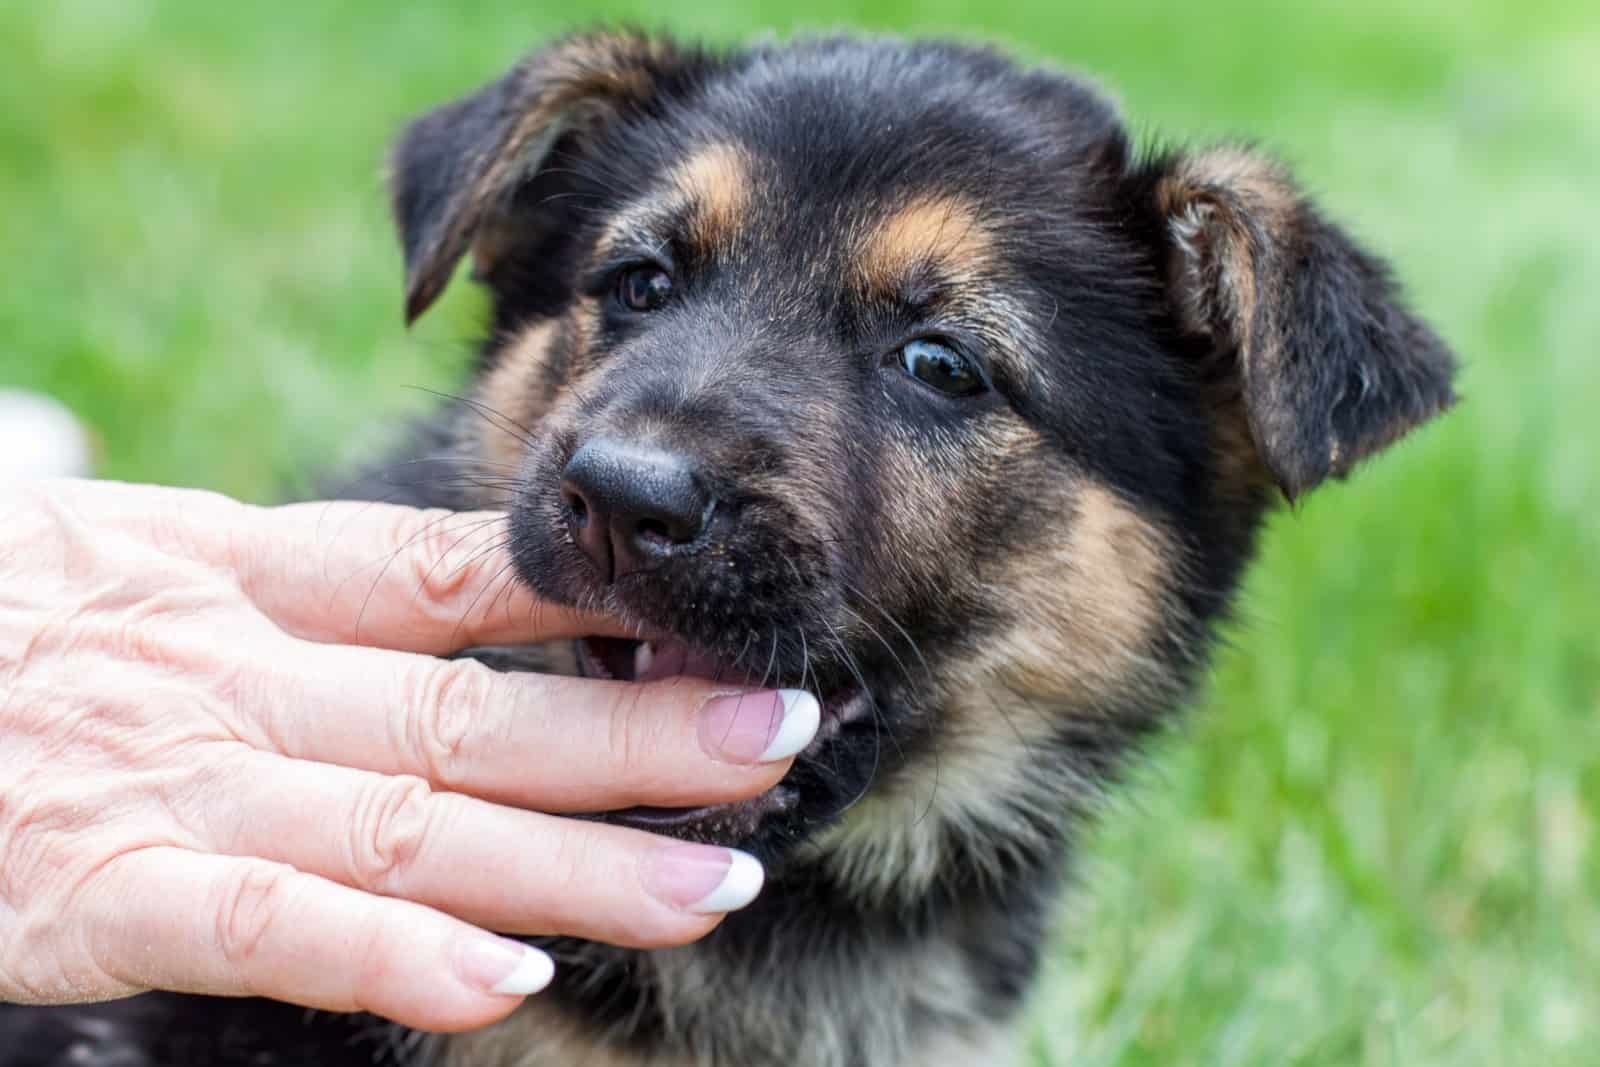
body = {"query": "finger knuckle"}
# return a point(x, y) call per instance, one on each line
point(233, 531)
point(446, 700)
point(190, 524)
point(251, 900)
point(443, 551)
point(390, 829)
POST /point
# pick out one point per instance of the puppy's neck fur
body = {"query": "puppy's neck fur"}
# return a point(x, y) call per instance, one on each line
point(811, 974)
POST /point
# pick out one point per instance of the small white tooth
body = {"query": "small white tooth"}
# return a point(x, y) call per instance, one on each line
point(643, 656)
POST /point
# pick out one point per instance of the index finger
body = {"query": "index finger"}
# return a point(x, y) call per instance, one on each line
point(395, 577)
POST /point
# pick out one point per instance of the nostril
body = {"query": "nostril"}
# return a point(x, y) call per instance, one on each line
point(654, 531)
point(630, 506)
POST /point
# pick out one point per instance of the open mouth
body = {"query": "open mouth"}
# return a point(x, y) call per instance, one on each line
point(649, 661)
point(659, 658)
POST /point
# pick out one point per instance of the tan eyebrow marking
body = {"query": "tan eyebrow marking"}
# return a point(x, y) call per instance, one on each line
point(941, 232)
point(715, 182)
point(712, 186)
point(511, 389)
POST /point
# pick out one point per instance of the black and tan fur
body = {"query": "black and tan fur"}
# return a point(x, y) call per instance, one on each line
point(1026, 581)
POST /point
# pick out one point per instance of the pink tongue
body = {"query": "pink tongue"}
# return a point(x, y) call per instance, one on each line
point(669, 659)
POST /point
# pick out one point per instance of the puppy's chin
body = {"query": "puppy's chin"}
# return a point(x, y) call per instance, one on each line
point(737, 824)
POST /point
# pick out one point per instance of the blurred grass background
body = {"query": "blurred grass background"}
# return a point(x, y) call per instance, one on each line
point(1375, 842)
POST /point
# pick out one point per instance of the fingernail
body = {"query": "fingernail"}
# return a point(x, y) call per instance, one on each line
point(504, 967)
point(759, 727)
point(704, 879)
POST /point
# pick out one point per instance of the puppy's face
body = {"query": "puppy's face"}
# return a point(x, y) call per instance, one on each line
point(881, 370)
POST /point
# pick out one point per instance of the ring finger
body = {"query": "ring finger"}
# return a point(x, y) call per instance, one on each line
point(505, 869)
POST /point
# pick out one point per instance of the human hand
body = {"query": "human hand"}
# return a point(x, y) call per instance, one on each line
point(230, 764)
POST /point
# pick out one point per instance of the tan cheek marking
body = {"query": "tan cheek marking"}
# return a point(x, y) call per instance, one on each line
point(513, 388)
point(585, 326)
point(941, 232)
point(1085, 611)
point(716, 182)
point(1086, 608)
point(578, 336)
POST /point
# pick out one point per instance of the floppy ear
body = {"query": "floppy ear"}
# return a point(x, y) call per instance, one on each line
point(455, 171)
point(1330, 366)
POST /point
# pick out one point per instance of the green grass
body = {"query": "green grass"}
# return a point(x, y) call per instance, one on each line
point(1375, 842)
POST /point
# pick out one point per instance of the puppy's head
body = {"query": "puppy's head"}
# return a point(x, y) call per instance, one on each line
point(885, 370)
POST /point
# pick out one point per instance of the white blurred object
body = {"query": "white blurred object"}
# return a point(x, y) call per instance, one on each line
point(40, 439)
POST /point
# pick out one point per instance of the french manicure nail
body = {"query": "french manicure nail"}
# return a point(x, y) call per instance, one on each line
point(504, 967)
point(704, 879)
point(759, 727)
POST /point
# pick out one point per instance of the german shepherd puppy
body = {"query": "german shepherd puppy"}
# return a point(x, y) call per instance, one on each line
point(887, 370)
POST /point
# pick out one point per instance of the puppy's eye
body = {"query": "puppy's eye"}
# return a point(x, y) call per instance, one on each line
point(937, 364)
point(643, 288)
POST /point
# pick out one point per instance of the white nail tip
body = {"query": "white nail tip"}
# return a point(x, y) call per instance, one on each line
point(737, 888)
point(801, 717)
point(530, 976)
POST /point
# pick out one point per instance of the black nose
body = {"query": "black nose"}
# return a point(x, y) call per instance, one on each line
point(629, 506)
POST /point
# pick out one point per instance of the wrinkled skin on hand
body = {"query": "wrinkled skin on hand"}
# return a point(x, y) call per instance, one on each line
point(230, 761)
